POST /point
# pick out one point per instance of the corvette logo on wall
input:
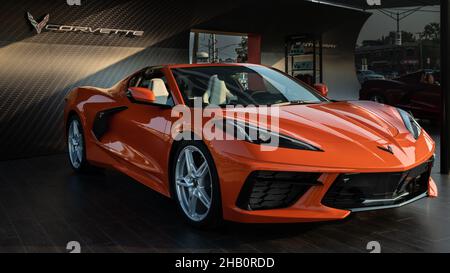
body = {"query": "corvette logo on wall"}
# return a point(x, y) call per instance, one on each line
point(36, 25)
point(44, 25)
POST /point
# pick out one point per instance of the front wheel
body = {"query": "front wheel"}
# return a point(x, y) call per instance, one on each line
point(196, 185)
point(76, 147)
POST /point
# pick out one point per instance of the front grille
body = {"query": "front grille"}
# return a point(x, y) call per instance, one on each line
point(366, 190)
point(273, 190)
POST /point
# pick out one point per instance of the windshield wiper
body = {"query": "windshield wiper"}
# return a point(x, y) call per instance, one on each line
point(294, 102)
point(302, 102)
point(231, 104)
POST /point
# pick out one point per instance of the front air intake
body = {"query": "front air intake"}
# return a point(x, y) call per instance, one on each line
point(274, 190)
point(370, 190)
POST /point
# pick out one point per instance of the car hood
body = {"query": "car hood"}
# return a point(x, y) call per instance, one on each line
point(334, 122)
point(354, 136)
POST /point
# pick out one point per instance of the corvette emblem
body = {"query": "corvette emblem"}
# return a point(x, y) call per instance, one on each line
point(44, 25)
point(386, 149)
point(36, 25)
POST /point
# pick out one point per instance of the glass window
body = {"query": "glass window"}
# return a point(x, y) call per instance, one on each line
point(242, 85)
point(155, 80)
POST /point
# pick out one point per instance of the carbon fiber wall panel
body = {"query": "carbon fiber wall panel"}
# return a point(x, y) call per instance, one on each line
point(37, 70)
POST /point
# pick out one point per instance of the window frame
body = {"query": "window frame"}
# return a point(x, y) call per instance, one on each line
point(162, 72)
point(314, 92)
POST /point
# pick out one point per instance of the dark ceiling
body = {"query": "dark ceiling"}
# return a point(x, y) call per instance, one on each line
point(363, 4)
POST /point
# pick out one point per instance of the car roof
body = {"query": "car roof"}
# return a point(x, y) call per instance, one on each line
point(210, 65)
point(170, 66)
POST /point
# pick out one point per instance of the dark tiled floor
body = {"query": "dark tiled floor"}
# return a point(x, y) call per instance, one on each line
point(44, 205)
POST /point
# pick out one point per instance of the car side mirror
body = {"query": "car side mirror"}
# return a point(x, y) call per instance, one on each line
point(141, 95)
point(321, 88)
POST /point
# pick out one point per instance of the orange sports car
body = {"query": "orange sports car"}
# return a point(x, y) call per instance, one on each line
point(331, 158)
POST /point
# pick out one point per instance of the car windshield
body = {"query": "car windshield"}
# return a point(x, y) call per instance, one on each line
point(242, 85)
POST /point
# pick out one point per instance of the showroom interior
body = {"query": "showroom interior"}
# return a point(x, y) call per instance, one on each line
point(44, 205)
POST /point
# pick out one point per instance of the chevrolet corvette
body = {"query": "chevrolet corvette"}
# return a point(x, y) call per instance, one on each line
point(332, 157)
point(418, 93)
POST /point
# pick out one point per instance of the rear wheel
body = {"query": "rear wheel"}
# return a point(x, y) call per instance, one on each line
point(196, 185)
point(76, 147)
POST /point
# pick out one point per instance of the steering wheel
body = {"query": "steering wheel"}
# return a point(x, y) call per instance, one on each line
point(257, 94)
point(263, 97)
point(246, 97)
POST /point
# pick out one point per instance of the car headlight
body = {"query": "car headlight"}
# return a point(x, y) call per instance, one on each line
point(261, 136)
point(410, 123)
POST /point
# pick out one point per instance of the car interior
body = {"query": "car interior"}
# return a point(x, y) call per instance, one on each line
point(228, 88)
point(217, 92)
point(155, 81)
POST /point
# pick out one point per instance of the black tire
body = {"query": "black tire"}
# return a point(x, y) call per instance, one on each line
point(83, 167)
point(214, 216)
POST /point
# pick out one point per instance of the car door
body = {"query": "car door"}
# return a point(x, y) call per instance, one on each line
point(144, 131)
point(423, 98)
point(425, 102)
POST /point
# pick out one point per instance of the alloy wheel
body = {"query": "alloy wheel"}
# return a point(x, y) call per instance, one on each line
point(193, 183)
point(75, 143)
